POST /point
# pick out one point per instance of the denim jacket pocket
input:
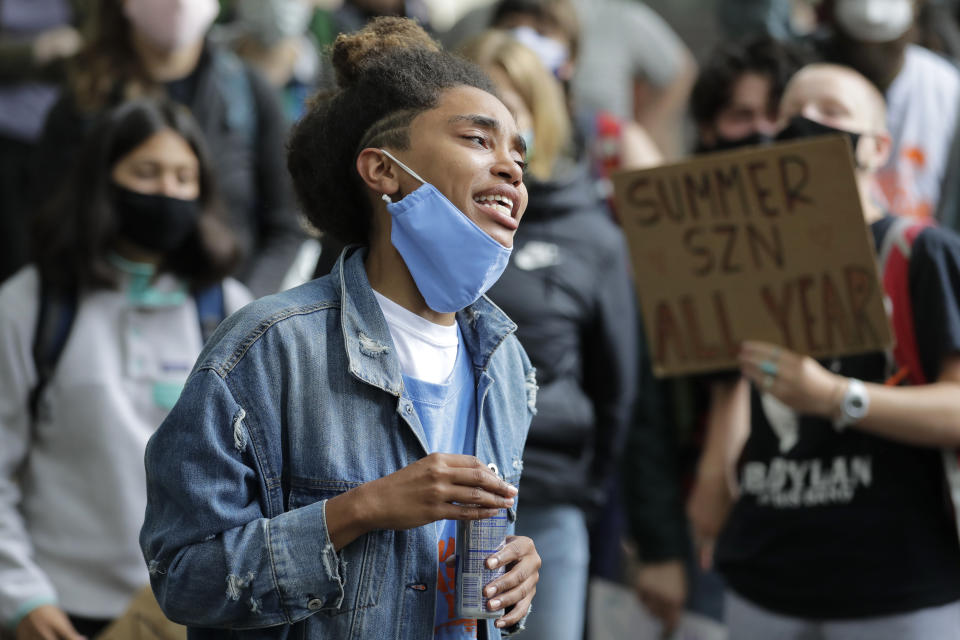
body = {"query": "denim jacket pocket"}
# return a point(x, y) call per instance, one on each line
point(365, 559)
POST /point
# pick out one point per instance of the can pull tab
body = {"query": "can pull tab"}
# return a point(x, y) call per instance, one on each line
point(511, 511)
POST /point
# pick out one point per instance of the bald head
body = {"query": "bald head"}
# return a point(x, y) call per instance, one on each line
point(836, 96)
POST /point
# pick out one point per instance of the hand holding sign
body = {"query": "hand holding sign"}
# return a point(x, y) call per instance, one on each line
point(764, 244)
point(798, 381)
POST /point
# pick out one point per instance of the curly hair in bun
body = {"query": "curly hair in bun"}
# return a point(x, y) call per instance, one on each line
point(387, 74)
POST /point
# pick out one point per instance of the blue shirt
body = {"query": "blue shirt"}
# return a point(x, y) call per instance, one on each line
point(448, 415)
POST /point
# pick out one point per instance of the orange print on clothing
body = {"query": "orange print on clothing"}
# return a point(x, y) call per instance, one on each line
point(447, 587)
point(915, 155)
point(902, 200)
point(447, 575)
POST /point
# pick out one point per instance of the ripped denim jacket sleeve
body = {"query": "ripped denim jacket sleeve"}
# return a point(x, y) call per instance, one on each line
point(220, 550)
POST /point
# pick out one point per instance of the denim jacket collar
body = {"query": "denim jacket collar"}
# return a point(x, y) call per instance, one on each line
point(367, 339)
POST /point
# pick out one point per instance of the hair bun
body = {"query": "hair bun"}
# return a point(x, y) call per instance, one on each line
point(353, 52)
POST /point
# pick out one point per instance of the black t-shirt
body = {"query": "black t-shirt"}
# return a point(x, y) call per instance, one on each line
point(845, 524)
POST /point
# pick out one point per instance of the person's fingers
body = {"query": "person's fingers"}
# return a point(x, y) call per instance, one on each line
point(513, 592)
point(672, 617)
point(518, 583)
point(466, 471)
point(513, 549)
point(757, 350)
point(473, 496)
point(656, 607)
point(63, 629)
point(705, 551)
point(516, 614)
point(465, 512)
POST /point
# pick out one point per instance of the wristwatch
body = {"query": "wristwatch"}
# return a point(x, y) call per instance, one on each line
point(854, 405)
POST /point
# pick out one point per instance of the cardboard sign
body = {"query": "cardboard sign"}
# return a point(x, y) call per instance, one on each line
point(765, 244)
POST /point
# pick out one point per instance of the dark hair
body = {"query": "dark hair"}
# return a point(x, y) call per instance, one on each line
point(387, 74)
point(108, 66)
point(764, 56)
point(560, 14)
point(76, 230)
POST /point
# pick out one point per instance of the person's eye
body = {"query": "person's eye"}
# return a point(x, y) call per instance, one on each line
point(187, 177)
point(146, 170)
point(479, 140)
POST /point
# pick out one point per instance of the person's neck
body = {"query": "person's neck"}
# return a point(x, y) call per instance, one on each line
point(389, 276)
point(277, 61)
point(871, 210)
point(132, 252)
point(892, 72)
point(167, 65)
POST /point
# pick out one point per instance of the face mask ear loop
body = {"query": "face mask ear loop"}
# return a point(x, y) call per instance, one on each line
point(403, 166)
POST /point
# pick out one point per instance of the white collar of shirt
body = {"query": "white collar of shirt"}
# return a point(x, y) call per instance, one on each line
point(427, 351)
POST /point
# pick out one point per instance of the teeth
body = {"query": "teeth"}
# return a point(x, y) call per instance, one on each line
point(502, 204)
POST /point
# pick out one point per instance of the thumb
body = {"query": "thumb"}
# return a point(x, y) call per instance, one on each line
point(65, 630)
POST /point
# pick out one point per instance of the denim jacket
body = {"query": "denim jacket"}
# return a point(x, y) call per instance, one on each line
point(297, 398)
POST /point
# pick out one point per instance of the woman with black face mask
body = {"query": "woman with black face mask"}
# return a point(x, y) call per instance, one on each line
point(96, 340)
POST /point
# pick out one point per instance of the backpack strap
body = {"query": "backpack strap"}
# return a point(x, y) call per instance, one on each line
point(894, 259)
point(58, 309)
point(233, 83)
point(210, 309)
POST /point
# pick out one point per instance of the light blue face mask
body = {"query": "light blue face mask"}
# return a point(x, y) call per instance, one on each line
point(452, 260)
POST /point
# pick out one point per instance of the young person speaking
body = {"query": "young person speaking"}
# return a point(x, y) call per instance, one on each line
point(309, 480)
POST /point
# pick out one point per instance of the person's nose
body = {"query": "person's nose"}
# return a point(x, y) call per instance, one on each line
point(810, 112)
point(506, 167)
point(170, 184)
point(765, 125)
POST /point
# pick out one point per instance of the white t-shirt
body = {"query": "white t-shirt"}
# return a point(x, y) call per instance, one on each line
point(427, 351)
point(922, 107)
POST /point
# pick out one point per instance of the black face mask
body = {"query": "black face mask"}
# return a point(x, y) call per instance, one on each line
point(800, 127)
point(727, 144)
point(152, 221)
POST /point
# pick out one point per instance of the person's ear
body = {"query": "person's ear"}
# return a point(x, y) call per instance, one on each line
point(873, 151)
point(377, 172)
point(884, 146)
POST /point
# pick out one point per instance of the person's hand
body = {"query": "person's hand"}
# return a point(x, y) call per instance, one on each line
point(662, 587)
point(798, 381)
point(59, 42)
point(441, 486)
point(47, 622)
point(707, 508)
point(514, 590)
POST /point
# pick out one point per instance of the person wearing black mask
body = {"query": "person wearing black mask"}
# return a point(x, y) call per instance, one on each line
point(96, 340)
point(842, 528)
point(734, 101)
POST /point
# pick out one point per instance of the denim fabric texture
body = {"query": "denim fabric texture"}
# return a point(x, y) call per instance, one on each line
point(297, 398)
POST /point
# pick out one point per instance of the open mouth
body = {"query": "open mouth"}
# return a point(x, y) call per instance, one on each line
point(499, 203)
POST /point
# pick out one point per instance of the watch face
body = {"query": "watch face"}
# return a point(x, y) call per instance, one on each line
point(855, 402)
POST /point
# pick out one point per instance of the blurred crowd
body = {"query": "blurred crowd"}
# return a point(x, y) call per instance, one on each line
point(145, 196)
